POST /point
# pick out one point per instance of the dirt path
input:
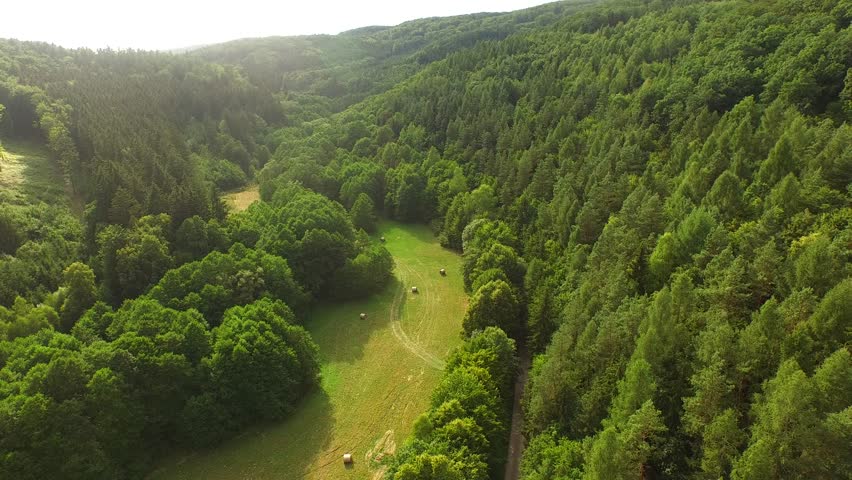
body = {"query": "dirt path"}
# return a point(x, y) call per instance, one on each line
point(396, 327)
point(516, 438)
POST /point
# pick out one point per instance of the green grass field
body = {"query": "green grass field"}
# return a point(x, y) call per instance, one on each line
point(28, 176)
point(241, 199)
point(377, 377)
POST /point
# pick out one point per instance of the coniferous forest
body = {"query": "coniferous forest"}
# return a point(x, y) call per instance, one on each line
point(652, 199)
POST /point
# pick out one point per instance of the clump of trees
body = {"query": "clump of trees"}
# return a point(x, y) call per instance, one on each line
point(129, 384)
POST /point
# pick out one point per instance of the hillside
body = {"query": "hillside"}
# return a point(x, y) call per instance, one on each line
point(653, 198)
point(672, 175)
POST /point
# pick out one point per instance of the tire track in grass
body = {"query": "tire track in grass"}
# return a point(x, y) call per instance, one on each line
point(410, 345)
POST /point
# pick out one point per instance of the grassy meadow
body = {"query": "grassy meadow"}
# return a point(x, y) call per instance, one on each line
point(377, 377)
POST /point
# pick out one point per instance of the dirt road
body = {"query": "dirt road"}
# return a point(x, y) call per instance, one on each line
point(516, 438)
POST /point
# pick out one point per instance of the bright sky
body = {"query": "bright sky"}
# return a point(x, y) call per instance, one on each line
point(167, 24)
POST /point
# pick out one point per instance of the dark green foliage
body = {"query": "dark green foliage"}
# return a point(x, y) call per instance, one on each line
point(147, 156)
point(131, 260)
point(222, 280)
point(364, 275)
point(46, 239)
point(363, 213)
point(80, 293)
point(495, 257)
point(405, 199)
point(313, 233)
point(195, 238)
point(10, 234)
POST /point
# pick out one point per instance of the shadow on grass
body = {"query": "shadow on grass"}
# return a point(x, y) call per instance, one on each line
point(270, 451)
point(314, 422)
point(38, 177)
point(341, 334)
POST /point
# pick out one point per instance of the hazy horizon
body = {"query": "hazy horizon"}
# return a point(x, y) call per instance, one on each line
point(164, 25)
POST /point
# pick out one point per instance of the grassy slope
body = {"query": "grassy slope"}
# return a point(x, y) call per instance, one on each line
point(28, 176)
point(241, 199)
point(377, 376)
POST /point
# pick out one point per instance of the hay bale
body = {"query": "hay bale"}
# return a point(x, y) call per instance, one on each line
point(347, 458)
point(382, 239)
point(443, 273)
point(363, 316)
point(414, 290)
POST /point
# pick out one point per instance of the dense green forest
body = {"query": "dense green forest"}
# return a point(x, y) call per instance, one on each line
point(654, 197)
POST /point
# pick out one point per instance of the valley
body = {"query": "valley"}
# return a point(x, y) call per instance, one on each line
point(376, 376)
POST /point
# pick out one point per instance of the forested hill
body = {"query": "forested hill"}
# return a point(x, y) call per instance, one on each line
point(144, 132)
point(331, 72)
point(663, 188)
point(655, 196)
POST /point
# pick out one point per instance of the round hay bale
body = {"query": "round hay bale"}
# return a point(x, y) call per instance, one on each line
point(347, 458)
point(443, 273)
point(382, 239)
point(414, 290)
point(363, 316)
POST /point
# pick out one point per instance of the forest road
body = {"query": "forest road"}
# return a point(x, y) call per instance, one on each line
point(516, 438)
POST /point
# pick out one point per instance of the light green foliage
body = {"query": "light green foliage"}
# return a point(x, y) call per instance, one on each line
point(549, 457)
point(429, 467)
point(827, 329)
point(675, 248)
point(818, 263)
point(260, 362)
point(721, 442)
point(38, 241)
point(637, 387)
point(627, 451)
point(24, 319)
point(465, 429)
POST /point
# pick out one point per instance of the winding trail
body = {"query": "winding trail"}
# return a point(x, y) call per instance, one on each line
point(517, 442)
point(398, 332)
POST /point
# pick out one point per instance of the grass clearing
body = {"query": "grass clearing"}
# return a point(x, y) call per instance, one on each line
point(28, 176)
point(377, 376)
point(241, 199)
